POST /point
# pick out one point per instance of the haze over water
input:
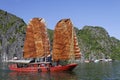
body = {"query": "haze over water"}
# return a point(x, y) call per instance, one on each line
point(84, 71)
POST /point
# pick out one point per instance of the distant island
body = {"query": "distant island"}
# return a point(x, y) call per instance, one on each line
point(94, 41)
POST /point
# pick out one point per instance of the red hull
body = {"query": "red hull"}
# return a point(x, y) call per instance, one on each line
point(35, 68)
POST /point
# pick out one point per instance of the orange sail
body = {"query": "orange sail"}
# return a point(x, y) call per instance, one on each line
point(36, 42)
point(76, 48)
point(65, 43)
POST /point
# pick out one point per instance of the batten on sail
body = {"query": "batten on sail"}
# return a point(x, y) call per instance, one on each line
point(37, 42)
point(76, 48)
point(65, 41)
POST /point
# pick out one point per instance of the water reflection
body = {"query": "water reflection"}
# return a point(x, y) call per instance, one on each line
point(99, 71)
point(42, 76)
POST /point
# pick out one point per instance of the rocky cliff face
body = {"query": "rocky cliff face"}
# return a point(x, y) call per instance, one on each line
point(12, 33)
point(95, 43)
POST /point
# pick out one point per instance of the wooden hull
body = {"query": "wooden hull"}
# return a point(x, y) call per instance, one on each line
point(35, 68)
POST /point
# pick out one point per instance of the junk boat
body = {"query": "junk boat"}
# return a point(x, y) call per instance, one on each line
point(36, 51)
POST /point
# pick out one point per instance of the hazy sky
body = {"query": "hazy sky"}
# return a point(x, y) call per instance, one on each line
point(104, 13)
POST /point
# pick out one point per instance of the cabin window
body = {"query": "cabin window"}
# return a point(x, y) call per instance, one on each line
point(22, 65)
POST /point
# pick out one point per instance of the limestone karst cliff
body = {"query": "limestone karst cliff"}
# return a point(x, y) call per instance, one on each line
point(94, 41)
point(12, 33)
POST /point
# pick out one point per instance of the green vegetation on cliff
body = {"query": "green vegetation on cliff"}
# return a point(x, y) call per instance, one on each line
point(94, 41)
point(12, 33)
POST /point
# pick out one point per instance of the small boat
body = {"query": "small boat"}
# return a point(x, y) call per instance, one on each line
point(37, 45)
point(96, 61)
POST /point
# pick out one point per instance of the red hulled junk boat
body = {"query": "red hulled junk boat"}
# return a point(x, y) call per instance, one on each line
point(36, 49)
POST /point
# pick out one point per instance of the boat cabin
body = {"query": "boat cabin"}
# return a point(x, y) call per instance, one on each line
point(29, 63)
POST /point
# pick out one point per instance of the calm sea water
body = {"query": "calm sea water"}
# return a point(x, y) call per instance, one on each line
point(84, 71)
